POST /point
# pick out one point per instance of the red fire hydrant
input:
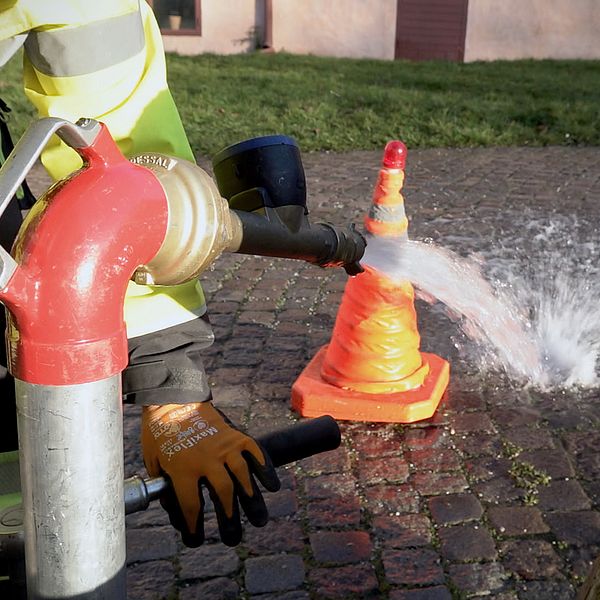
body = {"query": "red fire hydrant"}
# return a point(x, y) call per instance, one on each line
point(156, 219)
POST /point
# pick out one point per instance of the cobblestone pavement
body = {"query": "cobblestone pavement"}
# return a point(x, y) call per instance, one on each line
point(497, 495)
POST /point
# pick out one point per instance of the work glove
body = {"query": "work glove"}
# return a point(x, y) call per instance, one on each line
point(195, 446)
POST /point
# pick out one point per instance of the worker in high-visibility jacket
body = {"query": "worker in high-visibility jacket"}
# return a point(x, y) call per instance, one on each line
point(105, 60)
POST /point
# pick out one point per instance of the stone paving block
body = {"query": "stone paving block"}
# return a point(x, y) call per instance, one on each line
point(476, 578)
point(277, 573)
point(437, 592)
point(392, 499)
point(532, 559)
point(403, 531)
point(472, 422)
point(451, 509)
point(154, 516)
point(443, 459)
point(485, 468)
point(466, 543)
point(517, 520)
point(287, 477)
point(545, 590)
point(460, 401)
point(434, 484)
point(327, 462)
point(326, 486)
point(276, 536)
point(150, 580)
point(515, 416)
point(299, 595)
point(499, 490)
point(563, 496)
point(378, 443)
point(425, 437)
point(225, 396)
point(232, 375)
point(353, 581)
point(282, 504)
point(583, 446)
point(577, 528)
point(334, 512)
point(414, 567)
point(341, 547)
point(219, 588)
point(478, 444)
point(566, 420)
point(581, 559)
point(391, 469)
point(151, 543)
point(529, 438)
point(209, 560)
point(242, 357)
point(554, 463)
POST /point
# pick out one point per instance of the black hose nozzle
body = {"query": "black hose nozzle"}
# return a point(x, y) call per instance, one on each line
point(263, 181)
point(321, 244)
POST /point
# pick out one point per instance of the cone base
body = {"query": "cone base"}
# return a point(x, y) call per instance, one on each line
point(313, 397)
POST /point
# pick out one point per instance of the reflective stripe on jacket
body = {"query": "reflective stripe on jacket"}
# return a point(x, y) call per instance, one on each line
point(104, 59)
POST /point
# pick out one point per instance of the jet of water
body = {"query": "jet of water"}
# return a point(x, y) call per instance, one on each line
point(538, 331)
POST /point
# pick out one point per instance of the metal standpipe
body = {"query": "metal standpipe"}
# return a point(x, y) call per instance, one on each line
point(64, 287)
point(71, 444)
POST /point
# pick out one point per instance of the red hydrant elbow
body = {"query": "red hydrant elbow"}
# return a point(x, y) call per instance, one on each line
point(76, 252)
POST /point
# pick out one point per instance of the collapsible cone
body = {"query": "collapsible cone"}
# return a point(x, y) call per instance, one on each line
point(372, 369)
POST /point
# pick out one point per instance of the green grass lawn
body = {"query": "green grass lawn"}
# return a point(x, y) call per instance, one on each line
point(344, 104)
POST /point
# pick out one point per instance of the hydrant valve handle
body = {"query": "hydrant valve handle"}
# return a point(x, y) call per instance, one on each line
point(23, 157)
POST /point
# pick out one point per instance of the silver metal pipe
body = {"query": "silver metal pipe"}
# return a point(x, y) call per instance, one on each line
point(71, 445)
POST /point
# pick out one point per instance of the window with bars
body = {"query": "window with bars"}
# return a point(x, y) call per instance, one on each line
point(178, 17)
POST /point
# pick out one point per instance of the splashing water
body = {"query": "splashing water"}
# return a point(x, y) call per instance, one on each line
point(544, 329)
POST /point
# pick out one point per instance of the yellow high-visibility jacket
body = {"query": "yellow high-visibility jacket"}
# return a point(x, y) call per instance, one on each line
point(104, 59)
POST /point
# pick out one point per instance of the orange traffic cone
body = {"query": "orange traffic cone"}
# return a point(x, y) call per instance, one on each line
point(372, 369)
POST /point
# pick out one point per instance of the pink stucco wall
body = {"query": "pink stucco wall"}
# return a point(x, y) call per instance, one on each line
point(351, 28)
point(511, 29)
point(227, 28)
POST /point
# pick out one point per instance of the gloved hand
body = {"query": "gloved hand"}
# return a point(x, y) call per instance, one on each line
point(195, 445)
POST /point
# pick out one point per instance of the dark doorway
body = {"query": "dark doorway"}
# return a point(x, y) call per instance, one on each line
point(431, 29)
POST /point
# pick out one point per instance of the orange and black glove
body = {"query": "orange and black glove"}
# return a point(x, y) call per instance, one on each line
point(195, 446)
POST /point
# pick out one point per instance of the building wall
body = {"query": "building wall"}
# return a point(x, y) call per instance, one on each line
point(512, 29)
point(228, 27)
point(350, 28)
point(496, 29)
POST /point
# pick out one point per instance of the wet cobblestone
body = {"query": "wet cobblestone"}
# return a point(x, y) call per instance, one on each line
point(434, 510)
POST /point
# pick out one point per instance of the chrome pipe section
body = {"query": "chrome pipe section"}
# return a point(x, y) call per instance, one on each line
point(71, 445)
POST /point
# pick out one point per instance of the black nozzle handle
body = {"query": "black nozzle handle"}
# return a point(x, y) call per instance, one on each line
point(284, 446)
point(302, 440)
point(322, 244)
